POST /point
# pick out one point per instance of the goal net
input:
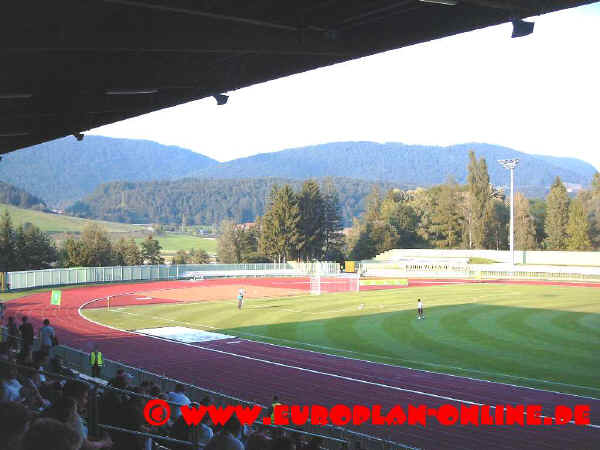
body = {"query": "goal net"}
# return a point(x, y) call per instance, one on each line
point(320, 284)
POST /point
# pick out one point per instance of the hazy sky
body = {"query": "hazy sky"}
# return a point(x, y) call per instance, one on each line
point(537, 94)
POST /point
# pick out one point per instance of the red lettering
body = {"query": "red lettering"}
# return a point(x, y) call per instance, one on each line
point(247, 416)
point(340, 415)
point(486, 416)
point(563, 414)
point(469, 415)
point(417, 415)
point(193, 416)
point(378, 419)
point(582, 414)
point(318, 415)
point(360, 414)
point(499, 414)
point(300, 414)
point(533, 415)
point(447, 415)
point(396, 416)
point(281, 414)
point(157, 412)
point(220, 416)
point(515, 414)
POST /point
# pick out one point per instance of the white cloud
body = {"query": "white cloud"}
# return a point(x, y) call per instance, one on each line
point(537, 94)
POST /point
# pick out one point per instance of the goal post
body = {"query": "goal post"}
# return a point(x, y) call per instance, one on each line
point(324, 284)
point(315, 285)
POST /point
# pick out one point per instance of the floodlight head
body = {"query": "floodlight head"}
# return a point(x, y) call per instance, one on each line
point(221, 99)
point(78, 136)
point(522, 28)
point(509, 163)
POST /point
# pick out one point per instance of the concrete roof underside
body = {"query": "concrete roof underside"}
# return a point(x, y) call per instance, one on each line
point(74, 65)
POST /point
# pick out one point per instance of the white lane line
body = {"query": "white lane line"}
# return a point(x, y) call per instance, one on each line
point(343, 377)
point(317, 372)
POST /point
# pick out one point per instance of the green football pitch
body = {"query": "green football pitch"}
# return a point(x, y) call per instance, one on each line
point(540, 336)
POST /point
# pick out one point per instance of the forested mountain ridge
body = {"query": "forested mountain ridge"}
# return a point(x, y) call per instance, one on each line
point(411, 165)
point(206, 201)
point(66, 170)
point(63, 171)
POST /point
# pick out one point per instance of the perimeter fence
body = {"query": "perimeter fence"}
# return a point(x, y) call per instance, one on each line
point(88, 275)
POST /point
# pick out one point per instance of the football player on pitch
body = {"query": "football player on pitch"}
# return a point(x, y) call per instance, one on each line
point(420, 314)
point(241, 298)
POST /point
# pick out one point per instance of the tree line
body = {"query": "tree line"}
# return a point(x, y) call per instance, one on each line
point(26, 247)
point(307, 224)
point(304, 225)
point(196, 201)
point(476, 216)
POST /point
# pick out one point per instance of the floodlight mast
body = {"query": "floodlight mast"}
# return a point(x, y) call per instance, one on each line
point(510, 164)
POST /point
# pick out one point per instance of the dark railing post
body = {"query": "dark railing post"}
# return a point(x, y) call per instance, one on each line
point(195, 435)
point(93, 429)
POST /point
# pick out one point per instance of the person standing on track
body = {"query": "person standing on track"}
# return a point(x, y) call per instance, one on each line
point(420, 314)
point(47, 337)
point(241, 298)
point(96, 361)
point(26, 330)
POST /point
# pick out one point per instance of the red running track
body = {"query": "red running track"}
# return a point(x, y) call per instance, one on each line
point(255, 371)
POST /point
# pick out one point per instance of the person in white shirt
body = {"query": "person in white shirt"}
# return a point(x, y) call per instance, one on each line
point(11, 388)
point(47, 337)
point(420, 314)
point(179, 398)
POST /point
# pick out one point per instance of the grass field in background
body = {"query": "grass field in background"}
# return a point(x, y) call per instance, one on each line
point(171, 242)
point(517, 334)
point(57, 223)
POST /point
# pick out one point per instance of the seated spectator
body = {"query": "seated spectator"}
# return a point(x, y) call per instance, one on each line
point(14, 418)
point(154, 390)
point(258, 441)
point(132, 418)
point(31, 389)
point(51, 434)
point(79, 391)
point(65, 411)
point(283, 443)
point(315, 443)
point(178, 398)
point(300, 443)
point(228, 438)
point(10, 385)
point(57, 365)
point(145, 387)
point(184, 432)
point(4, 351)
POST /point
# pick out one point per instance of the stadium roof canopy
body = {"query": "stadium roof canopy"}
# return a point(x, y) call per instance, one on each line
point(73, 65)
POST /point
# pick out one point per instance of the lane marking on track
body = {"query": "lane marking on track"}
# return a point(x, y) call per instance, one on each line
point(343, 377)
point(391, 365)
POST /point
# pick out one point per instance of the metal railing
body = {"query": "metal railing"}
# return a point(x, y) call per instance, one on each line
point(87, 275)
point(334, 436)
